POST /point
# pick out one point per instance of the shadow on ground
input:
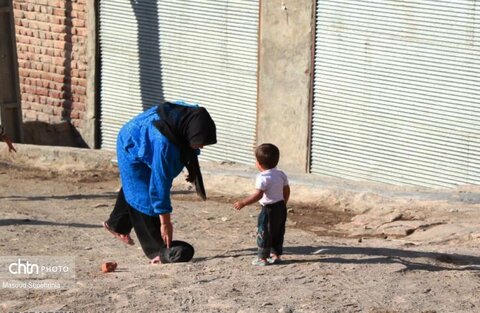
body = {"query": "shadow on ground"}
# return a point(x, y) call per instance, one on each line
point(412, 260)
point(108, 195)
point(26, 221)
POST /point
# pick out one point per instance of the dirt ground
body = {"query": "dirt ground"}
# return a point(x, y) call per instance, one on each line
point(326, 268)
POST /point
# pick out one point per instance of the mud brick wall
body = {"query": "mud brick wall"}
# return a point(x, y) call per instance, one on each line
point(51, 46)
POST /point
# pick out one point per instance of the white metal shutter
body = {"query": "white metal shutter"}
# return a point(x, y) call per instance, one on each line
point(200, 51)
point(397, 91)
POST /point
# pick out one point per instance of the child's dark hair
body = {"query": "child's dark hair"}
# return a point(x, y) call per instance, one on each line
point(267, 155)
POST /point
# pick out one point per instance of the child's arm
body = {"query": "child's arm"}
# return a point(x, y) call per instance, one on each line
point(286, 193)
point(257, 195)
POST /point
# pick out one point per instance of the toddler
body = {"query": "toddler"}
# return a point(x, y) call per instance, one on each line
point(272, 191)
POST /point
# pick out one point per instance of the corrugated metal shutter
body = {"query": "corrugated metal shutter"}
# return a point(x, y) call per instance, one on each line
point(396, 91)
point(199, 51)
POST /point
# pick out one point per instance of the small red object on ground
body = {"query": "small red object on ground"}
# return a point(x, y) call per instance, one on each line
point(109, 267)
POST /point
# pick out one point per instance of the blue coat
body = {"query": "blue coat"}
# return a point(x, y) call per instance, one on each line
point(148, 163)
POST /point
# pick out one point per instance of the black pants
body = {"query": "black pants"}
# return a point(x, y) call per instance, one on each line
point(123, 218)
point(271, 229)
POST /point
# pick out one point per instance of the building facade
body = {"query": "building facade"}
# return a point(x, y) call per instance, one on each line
point(370, 90)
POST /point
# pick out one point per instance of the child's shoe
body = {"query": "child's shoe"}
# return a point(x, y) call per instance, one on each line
point(259, 262)
point(274, 260)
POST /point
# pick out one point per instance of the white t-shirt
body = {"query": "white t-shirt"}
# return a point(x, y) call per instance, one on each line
point(271, 182)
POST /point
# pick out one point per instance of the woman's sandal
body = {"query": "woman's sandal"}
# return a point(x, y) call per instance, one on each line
point(126, 239)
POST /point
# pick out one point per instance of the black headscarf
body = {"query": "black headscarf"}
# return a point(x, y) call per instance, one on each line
point(185, 126)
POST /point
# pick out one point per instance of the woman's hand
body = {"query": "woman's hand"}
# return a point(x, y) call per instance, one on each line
point(166, 229)
point(167, 233)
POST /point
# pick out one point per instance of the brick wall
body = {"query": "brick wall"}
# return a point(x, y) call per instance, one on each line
point(51, 46)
